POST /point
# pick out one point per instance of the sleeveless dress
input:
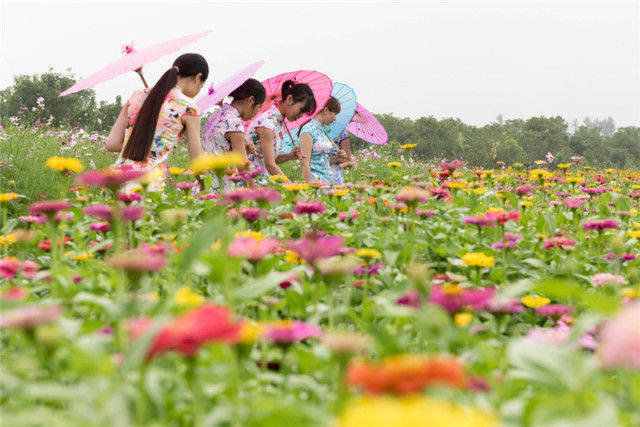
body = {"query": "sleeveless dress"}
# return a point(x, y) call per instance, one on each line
point(214, 136)
point(320, 152)
point(169, 131)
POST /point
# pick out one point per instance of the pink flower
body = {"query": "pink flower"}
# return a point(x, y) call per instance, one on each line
point(138, 260)
point(289, 332)
point(99, 226)
point(109, 178)
point(450, 166)
point(559, 242)
point(424, 212)
point(512, 236)
point(288, 282)
point(525, 189)
point(252, 249)
point(308, 207)
point(556, 335)
point(345, 216)
point(48, 208)
point(129, 197)
point(14, 294)
point(185, 185)
point(602, 279)
point(453, 298)
point(503, 306)
point(29, 317)
point(38, 219)
point(132, 213)
point(554, 310)
point(600, 225)
point(9, 267)
point(313, 247)
point(620, 340)
point(504, 244)
point(29, 269)
point(104, 212)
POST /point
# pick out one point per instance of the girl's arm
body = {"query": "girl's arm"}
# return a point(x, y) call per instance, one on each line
point(345, 144)
point(115, 140)
point(238, 143)
point(268, 153)
point(194, 145)
point(306, 143)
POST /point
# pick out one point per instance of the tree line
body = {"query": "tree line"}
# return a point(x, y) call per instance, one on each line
point(508, 141)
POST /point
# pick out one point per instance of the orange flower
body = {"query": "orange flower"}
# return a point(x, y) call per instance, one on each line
point(405, 374)
point(371, 201)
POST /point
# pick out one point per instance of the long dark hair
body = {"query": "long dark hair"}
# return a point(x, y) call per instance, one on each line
point(139, 143)
point(299, 92)
point(251, 87)
point(333, 105)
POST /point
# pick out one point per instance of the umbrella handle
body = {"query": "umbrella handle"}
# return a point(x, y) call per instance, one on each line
point(144, 82)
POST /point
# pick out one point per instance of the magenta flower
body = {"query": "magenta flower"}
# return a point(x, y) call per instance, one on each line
point(557, 335)
point(554, 310)
point(289, 332)
point(29, 269)
point(504, 306)
point(99, 226)
point(559, 242)
point(48, 208)
point(345, 216)
point(512, 236)
point(104, 212)
point(252, 249)
point(313, 247)
point(424, 212)
point(129, 197)
point(525, 189)
point(14, 294)
point(453, 297)
point(620, 340)
point(308, 207)
point(183, 185)
point(37, 219)
point(452, 165)
point(29, 317)
point(410, 299)
point(504, 244)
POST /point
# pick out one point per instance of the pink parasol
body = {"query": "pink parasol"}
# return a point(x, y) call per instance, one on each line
point(134, 60)
point(218, 93)
point(365, 126)
point(319, 83)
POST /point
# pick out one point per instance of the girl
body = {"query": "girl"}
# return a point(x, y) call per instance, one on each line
point(266, 132)
point(316, 144)
point(154, 120)
point(341, 157)
point(224, 131)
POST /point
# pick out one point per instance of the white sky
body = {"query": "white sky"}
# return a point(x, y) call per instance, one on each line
point(471, 60)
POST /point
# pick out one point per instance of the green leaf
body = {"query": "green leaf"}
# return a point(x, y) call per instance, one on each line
point(208, 233)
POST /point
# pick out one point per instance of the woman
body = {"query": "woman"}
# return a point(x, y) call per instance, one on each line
point(341, 157)
point(317, 146)
point(224, 131)
point(267, 131)
point(154, 120)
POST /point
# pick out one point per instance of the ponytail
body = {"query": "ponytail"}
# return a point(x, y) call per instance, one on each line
point(300, 92)
point(139, 143)
point(251, 87)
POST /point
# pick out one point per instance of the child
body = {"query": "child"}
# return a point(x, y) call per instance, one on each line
point(224, 131)
point(267, 130)
point(154, 120)
point(341, 157)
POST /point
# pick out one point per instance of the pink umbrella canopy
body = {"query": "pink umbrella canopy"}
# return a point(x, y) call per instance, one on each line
point(219, 92)
point(319, 83)
point(365, 126)
point(133, 60)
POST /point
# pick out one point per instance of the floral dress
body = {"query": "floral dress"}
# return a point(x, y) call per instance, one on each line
point(320, 152)
point(271, 119)
point(336, 171)
point(169, 130)
point(214, 136)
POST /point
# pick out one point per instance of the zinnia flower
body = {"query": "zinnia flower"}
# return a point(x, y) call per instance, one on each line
point(602, 279)
point(619, 341)
point(291, 331)
point(477, 259)
point(137, 260)
point(252, 249)
point(453, 298)
point(48, 207)
point(29, 317)
point(308, 207)
point(109, 178)
point(313, 247)
point(64, 164)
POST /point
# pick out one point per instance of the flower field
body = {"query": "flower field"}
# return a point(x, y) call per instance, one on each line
point(417, 294)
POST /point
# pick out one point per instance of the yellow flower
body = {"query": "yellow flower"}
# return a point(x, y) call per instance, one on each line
point(534, 301)
point(610, 170)
point(633, 212)
point(411, 411)
point(394, 164)
point(216, 162)
point(278, 178)
point(173, 170)
point(7, 197)
point(63, 164)
point(295, 186)
point(457, 184)
point(477, 259)
point(216, 245)
point(150, 176)
point(255, 235)
point(463, 319)
point(574, 179)
point(7, 240)
point(564, 165)
point(634, 233)
point(407, 146)
point(82, 257)
point(631, 293)
point(526, 204)
point(292, 258)
point(539, 174)
point(480, 190)
point(338, 193)
point(251, 331)
point(187, 297)
point(368, 253)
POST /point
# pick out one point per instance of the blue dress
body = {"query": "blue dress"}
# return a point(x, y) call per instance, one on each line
point(320, 152)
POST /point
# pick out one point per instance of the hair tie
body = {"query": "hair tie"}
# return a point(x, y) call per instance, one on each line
point(176, 68)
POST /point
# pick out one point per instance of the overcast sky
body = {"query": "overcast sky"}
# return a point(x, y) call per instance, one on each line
point(471, 60)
